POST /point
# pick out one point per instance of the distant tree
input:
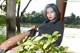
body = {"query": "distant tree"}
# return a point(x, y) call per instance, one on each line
point(70, 19)
point(73, 16)
point(35, 17)
point(77, 20)
point(66, 20)
point(23, 20)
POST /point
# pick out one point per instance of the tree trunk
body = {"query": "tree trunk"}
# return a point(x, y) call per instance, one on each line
point(18, 18)
point(11, 18)
point(62, 7)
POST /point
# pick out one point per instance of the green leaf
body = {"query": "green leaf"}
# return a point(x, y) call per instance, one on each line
point(42, 42)
point(38, 38)
point(30, 52)
point(47, 45)
point(28, 43)
point(18, 1)
point(25, 39)
point(20, 48)
point(19, 43)
point(47, 35)
point(55, 33)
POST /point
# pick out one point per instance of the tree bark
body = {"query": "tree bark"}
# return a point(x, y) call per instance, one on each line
point(11, 18)
point(62, 7)
point(18, 18)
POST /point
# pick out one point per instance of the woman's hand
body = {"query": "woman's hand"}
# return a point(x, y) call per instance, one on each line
point(33, 27)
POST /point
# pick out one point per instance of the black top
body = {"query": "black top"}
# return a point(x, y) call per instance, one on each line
point(49, 28)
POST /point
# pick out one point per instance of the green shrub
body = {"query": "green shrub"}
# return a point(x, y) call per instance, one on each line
point(37, 45)
point(2, 19)
point(2, 38)
point(72, 25)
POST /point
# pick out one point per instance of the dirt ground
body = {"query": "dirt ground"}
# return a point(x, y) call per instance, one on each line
point(71, 39)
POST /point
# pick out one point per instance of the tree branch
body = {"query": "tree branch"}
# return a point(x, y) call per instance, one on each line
point(25, 8)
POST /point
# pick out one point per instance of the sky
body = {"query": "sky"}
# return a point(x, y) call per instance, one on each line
point(36, 5)
point(39, 5)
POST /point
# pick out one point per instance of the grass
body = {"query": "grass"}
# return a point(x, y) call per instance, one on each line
point(30, 24)
point(2, 38)
point(72, 25)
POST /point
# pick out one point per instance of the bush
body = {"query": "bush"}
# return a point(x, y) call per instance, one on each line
point(37, 45)
point(2, 19)
point(2, 38)
point(72, 25)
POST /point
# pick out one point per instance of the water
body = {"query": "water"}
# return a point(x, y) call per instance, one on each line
point(3, 30)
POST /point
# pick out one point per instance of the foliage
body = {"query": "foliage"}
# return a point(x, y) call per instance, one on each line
point(2, 38)
point(18, 1)
point(36, 44)
point(2, 19)
point(73, 19)
point(34, 17)
point(72, 25)
point(38, 17)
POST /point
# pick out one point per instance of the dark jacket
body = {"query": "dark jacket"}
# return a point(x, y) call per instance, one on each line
point(49, 28)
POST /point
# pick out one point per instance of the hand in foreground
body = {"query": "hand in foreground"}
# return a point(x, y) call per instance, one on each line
point(33, 27)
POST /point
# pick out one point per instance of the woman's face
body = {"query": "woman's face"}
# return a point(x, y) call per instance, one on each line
point(50, 13)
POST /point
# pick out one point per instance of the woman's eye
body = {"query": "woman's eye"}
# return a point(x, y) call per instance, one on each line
point(52, 11)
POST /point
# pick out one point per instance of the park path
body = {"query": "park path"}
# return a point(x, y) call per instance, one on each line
point(71, 39)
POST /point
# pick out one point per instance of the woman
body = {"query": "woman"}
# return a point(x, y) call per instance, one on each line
point(52, 24)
